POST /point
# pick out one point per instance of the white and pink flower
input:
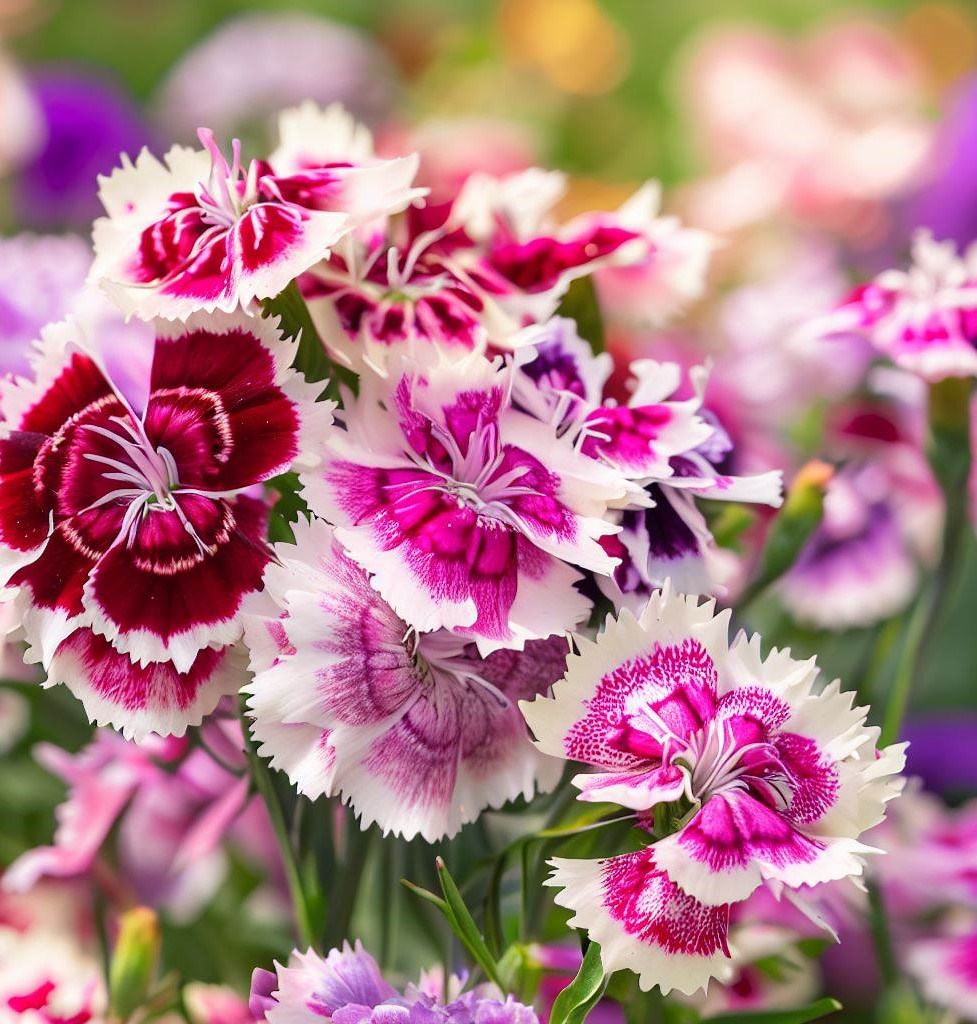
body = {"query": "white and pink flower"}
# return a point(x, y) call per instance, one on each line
point(198, 233)
point(416, 730)
point(924, 318)
point(669, 451)
point(773, 782)
point(467, 273)
point(468, 513)
point(131, 536)
point(945, 968)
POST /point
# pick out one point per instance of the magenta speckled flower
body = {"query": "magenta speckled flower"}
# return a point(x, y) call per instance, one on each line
point(130, 533)
point(197, 233)
point(416, 730)
point(772, 782)
point(467, 513)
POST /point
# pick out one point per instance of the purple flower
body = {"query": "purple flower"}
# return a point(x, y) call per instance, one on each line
point(947, 203)
point(88, 121)
point(346, 986)
point(236, 78)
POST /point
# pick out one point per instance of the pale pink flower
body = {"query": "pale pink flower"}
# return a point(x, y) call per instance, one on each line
point(416, 730)
point(169, 807)
point(825, 129)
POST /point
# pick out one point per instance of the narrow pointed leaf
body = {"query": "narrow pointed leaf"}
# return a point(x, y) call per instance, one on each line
point(799, 1016)
point(583, 993)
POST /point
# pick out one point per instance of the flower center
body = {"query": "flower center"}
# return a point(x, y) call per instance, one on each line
point(720, 761)
point(228, 192)
point(146, 478)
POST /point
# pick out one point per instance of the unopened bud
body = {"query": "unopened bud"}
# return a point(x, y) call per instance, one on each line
point(798, 519)
point(134, 962)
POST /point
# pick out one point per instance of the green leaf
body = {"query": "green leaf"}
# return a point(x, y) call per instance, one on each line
point(583, 993)
point(580, 304)
point(427, 896)
point(295, 321)
point(463, 924)
point(799, 1016)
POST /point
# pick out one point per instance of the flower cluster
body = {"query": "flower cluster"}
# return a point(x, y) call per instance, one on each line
point(319, 434)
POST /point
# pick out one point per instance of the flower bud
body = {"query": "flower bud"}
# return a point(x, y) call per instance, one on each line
point(134, 962)
point(799, 518)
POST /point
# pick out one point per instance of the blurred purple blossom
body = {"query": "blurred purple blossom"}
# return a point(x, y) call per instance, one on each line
point(87, 122)
point(236, 79)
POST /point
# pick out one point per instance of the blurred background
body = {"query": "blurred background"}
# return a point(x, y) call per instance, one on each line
point(611, 90)
point(811, 136)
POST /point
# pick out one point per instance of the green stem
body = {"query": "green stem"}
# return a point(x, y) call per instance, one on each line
point(343, 902)
point(879, 923)
point(916, 633)
point(950, 459)
point(265, 786)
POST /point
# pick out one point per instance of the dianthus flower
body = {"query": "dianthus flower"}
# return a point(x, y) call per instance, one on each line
point(467, 512)
point(131, 535)
point(882, 523)
point(923, 318)
point(468, 272)
point(346, 986)
point(416, 730)
point(670, 451)
point(199, 233)
point(768, 781)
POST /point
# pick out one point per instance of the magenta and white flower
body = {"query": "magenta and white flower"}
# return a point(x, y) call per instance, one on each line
point(49, 979)
point(467, 513)
point(198, 233)
point(923, 318)
point(416, 730)
point(773, 781)
point(468, 273)
point(670, 451)
point(131, 535)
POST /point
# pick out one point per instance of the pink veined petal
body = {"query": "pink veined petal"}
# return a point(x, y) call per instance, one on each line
point(143, 699)
point(735, 842)
point(644, 922)
point(417, 731)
